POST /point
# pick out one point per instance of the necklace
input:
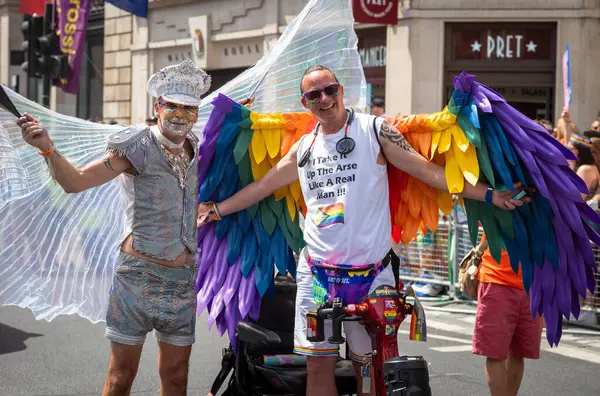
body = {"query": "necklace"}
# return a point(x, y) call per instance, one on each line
point(177, 162)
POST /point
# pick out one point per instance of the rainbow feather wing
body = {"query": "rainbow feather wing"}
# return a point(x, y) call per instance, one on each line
point(240, 147)
point(549, 237)
point(482, 138)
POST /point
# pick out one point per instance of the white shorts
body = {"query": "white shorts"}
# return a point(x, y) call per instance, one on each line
point(357, 338)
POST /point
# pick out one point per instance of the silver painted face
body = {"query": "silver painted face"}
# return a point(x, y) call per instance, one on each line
point(177, 127)
point(176, 119)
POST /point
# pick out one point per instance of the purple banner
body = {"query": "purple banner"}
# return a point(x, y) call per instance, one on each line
point(72, 26)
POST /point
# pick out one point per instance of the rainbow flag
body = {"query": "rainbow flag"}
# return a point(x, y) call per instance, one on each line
point(332, 214)
point(417, 332)
point(418, 326)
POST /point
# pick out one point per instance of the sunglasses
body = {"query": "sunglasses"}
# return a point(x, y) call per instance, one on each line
point(173, 106)
point(314, 95)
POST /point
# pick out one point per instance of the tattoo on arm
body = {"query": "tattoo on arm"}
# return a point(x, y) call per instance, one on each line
point(391, 134)
point(107, 164)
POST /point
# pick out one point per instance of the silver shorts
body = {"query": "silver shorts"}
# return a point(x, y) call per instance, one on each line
point(146, 296)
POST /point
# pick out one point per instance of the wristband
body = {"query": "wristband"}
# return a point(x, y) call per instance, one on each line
point(215, 214)
point(488, 195)
point(47, 153)
point(217, 211)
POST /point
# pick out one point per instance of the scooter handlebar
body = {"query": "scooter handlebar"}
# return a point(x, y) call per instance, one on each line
point(337, 314)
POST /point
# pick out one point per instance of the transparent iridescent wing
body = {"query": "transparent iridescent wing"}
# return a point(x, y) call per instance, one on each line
point(241, 254)
point(57, 251)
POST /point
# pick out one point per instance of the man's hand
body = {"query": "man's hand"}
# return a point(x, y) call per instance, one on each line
point(34, 133)
point(247, 102)
point(504, 199)
point(205, 214)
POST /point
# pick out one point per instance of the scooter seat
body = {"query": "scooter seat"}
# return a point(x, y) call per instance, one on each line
point(292, 380)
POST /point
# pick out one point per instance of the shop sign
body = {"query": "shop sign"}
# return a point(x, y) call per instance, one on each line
point(373, 56)
point(375, 11)
point(512, 43)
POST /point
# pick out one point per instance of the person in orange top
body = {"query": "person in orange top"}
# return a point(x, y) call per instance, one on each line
point(505, 332)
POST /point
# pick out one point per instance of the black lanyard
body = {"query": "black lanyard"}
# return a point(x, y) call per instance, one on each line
point(344, 146)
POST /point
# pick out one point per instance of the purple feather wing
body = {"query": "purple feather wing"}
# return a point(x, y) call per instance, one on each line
point(227, 284)
point(554, 291)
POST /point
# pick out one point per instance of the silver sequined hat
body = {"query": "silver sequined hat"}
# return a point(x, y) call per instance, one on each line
point(182, 84)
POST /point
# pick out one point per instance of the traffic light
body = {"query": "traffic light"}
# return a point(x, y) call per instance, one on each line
point(41, 46)
point(32, 28)
point(54, 63)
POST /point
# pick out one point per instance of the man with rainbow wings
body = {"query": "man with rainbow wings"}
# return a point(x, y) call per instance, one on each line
point(57, 256)
point(342, 176)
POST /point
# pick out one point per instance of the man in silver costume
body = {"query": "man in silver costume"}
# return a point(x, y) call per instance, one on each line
point(154, 283)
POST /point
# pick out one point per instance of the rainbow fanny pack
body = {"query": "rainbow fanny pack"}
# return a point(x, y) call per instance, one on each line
point(349, 282)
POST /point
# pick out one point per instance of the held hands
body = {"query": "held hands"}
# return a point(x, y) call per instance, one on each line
point(207, 212)
point(34, 133)
point(504, 199)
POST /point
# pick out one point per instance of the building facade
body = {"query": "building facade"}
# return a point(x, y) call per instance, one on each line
point(87, 103)
point(513, 46)
point(224, 37)
point(229, 36)
point(11, 38)
point(372, 47)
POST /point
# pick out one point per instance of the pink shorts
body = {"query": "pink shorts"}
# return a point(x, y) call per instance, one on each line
point(503, 324)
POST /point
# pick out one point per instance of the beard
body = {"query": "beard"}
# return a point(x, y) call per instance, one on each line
point(177, 127)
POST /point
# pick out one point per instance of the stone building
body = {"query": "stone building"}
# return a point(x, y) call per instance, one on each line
point(87, 103)
point(514, 46)
point(236, 35)
point(11, 38)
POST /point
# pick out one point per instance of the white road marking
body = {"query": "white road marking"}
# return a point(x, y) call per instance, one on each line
point(441, 337)
point(434, 324)
point(581, 347)
point(573, 353)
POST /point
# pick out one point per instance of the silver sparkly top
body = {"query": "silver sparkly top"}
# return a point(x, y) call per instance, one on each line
point(161, 202)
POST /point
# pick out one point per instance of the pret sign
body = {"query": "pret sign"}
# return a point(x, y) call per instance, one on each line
point(498, 42)
point(375, 11)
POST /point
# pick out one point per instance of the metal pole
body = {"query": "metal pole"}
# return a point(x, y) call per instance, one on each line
point(453, 250)
point(30, 87)
point(46, 91)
